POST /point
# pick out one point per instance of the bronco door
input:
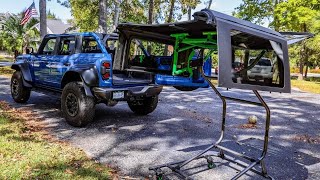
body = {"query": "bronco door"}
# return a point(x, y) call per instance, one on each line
point(63, 60)
point(43, 59)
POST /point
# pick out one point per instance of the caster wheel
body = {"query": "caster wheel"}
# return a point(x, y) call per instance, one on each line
point(210, 162)
point(211, 165)
point(159, 175)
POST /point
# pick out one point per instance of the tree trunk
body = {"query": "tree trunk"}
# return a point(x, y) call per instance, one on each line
point(43, 18)
point(301, 64)
point(102, 16)
point(150, 21)
point(189, 13)
point(169, 20)
point(303, 56)
point(170, 17)
point(275, 19)
point(116, 14)
point(209, 5)
point(306, 72)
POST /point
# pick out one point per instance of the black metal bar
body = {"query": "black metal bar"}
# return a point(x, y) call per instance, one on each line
point(243, 101)
point(266, 134)
point(196, 156)
point(236, 153)
point(245, 170)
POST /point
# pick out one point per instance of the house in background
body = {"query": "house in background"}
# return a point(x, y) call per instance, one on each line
point(3, 18)
point(56, 26)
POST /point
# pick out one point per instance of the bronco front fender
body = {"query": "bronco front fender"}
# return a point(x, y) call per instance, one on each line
point(24, 68)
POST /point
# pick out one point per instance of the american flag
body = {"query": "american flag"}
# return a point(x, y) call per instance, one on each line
point(31, 11)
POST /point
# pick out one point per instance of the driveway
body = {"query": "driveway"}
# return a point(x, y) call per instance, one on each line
point(2, 64)
point(185, 123)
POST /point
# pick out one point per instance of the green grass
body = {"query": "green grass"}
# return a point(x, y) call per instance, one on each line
point(6, 58)
point(6, 71)
point(26, 153)
point(307, 85)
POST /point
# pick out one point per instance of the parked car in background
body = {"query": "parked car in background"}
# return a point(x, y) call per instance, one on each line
point(263, 70)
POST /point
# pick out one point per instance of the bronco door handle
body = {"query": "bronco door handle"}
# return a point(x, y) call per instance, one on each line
point(66, 64)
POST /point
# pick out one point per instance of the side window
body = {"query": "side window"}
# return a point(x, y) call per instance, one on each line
point(138, 52)
point(90, 45)
point(256, 61)
point(67, 45)
point(48, 49)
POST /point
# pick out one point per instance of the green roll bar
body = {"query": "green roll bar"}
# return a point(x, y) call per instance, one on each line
point(191, 43)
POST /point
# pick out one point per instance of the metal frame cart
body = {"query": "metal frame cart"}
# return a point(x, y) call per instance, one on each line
point(210, 43)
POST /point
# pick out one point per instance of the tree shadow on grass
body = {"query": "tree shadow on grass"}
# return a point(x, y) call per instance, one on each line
point(74, 169)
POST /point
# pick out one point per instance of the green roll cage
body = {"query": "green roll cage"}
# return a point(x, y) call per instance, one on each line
point(191, 43)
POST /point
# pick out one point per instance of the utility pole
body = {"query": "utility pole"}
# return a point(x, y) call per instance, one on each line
point(209, 5)
point(43, 18)
point(102, 16)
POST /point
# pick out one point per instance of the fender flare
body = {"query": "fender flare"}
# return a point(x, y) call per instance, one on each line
point(89, 77)
point(26, 74)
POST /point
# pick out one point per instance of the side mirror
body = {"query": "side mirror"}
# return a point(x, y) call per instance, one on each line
point(29, 50)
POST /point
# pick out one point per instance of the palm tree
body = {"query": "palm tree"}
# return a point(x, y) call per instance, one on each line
point(16, 36)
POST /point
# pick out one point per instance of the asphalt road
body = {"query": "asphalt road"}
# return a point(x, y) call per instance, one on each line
point(316, 75)
point(2, 64)
point(186, 123)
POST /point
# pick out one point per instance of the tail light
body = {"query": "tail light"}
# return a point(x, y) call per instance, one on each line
point(105, 70)
point(106, 76)
point(106, 65)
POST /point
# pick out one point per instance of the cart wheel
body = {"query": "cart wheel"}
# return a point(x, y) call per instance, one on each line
point(210, 162)
point(159, 177)
point(159, 174)
point(211, 165)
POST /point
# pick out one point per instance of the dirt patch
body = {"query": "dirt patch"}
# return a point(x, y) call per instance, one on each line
point(306, 138)
point(247, 126)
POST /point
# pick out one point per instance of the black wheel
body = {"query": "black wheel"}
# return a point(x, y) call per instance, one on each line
point(159, 174)
point(185, 88)
point(211, 165)
point(144, 106)
point(159, 177)
point(77, 108)
point(19, 92)
point(210, 162)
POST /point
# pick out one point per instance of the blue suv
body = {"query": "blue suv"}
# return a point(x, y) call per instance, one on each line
point(90, 68)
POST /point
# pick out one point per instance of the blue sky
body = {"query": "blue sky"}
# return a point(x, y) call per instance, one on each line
point(16, 6)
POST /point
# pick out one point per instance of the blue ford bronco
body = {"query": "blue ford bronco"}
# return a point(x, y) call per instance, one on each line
point(90, 68)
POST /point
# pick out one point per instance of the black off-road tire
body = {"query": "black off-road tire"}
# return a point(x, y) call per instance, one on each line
point(77, 108)
point(185, 88)
point(145, 106)
point(19, 92)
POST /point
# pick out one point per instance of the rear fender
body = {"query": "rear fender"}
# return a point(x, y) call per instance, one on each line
point(89, 77)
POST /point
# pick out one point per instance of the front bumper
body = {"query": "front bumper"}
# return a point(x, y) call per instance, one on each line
point(104, 93)
point(260, 76)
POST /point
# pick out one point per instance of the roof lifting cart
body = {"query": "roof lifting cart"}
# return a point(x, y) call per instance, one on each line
point(241, 46)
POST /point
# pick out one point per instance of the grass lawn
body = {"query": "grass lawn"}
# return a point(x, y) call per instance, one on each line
point(6, 58)
point(28, 152)
point(7, 71)
point(307, 85)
